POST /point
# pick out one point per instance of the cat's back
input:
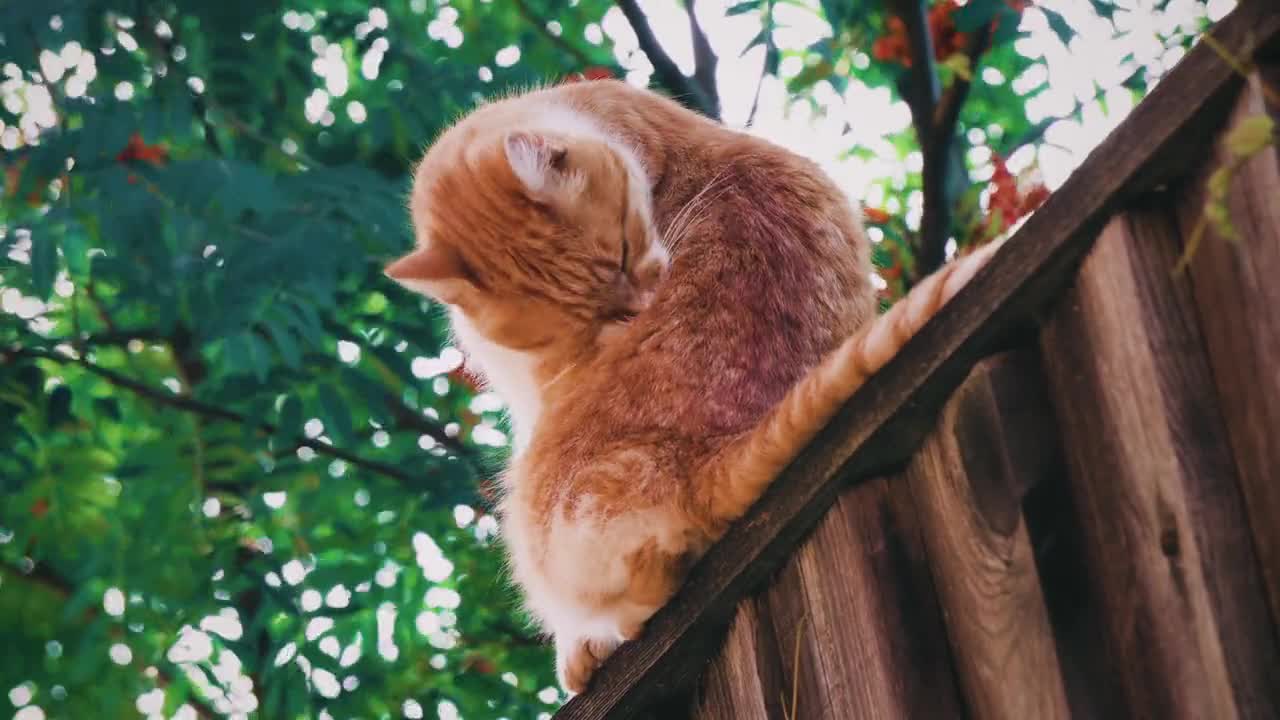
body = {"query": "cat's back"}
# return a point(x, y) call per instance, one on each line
point(770, 271)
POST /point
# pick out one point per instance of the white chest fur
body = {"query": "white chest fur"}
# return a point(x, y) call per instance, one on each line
point(509, 373)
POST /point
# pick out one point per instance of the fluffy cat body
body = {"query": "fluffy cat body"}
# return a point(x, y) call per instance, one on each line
point(671, 310)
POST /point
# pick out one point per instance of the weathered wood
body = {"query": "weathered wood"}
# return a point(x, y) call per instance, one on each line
point(746, 680)
point(994, 439)
point(1162, 519)
point(883, 422)
point(858, 599)
point(849, 628)
point(1053, 522)
point(1237, 289)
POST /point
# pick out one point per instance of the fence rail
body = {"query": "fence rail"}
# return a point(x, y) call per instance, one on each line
point(1087, 526)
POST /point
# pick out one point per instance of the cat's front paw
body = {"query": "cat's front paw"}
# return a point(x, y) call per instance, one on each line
point(578, 660)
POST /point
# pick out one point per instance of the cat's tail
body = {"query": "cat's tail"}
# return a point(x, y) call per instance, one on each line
point(742, 471)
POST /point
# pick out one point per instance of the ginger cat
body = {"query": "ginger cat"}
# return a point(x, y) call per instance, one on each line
point(671, 310)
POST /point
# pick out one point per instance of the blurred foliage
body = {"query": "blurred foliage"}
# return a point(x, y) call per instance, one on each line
point(243, 473)
point(976, 57)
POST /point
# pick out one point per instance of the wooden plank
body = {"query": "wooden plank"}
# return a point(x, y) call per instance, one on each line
point(745, 681)
point(1162, 520)
point(1237, 296)
point(995, 438)
point(1053, 526)
point(880, 426)
point(858, 599)
point(850, 628)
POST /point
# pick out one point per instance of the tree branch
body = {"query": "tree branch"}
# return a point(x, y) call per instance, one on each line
point(704, 59)
point(191, 405)
point(91, 291)
point(406, 417)
point(921, 89)
point(936, 146)
point(681, 87)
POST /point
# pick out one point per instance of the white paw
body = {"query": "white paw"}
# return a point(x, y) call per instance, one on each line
point(578, 660)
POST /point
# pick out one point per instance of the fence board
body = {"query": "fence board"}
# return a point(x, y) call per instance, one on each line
point(850, 627)
point(992, 442)
point(746, 681)
point(1163, 522)
point(859, 600)
point(1238, 296)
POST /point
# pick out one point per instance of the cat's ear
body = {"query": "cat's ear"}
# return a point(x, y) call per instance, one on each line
point(538, 162)
point(434, 269)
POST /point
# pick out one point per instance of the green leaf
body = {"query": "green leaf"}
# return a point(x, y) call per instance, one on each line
point(1250, 135)
point(307, 323)
point(259, 357)
point(744, 7)
point(1058, 24)
point(337, 415)
point(839, 12)
point(976, 13)
point(1105, 8)
point(373, 392)
point(810, 75)
point(283, 339)
point(44, 263)
point(59, 410)
point(289, 425)
point(760, 38)
point(1137, 80)
point(247, 187)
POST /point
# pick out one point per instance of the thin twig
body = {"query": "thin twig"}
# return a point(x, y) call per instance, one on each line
point(770, 52)
point(191, 405)
point(91, 291)
point(680, 86)
point(1242, 67)
point(704, 59)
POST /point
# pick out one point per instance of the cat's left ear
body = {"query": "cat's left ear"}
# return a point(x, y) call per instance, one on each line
point(434, 269)
point(539, 162)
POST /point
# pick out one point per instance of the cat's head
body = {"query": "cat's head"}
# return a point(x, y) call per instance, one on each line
point(535, 236)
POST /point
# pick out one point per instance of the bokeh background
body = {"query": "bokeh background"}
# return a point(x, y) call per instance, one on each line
point(244, 475)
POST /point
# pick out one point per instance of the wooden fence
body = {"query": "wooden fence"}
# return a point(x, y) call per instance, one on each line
point(1062, 499)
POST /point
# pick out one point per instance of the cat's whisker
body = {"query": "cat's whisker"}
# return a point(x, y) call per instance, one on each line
point(558, 376)
point(696, 215)
point(679, 222)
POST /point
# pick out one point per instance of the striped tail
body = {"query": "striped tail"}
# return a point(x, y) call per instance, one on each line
point(742, 471)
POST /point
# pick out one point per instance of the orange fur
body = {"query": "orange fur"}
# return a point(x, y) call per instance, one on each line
point(740, 474)
point(665, 305)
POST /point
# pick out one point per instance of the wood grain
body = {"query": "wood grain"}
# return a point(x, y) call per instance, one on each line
point(745, 680)
point(1237, 296)
point(881, 425)
point(1162, 520)
point(858, 600)
point(849, 629)
point(994, 439)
